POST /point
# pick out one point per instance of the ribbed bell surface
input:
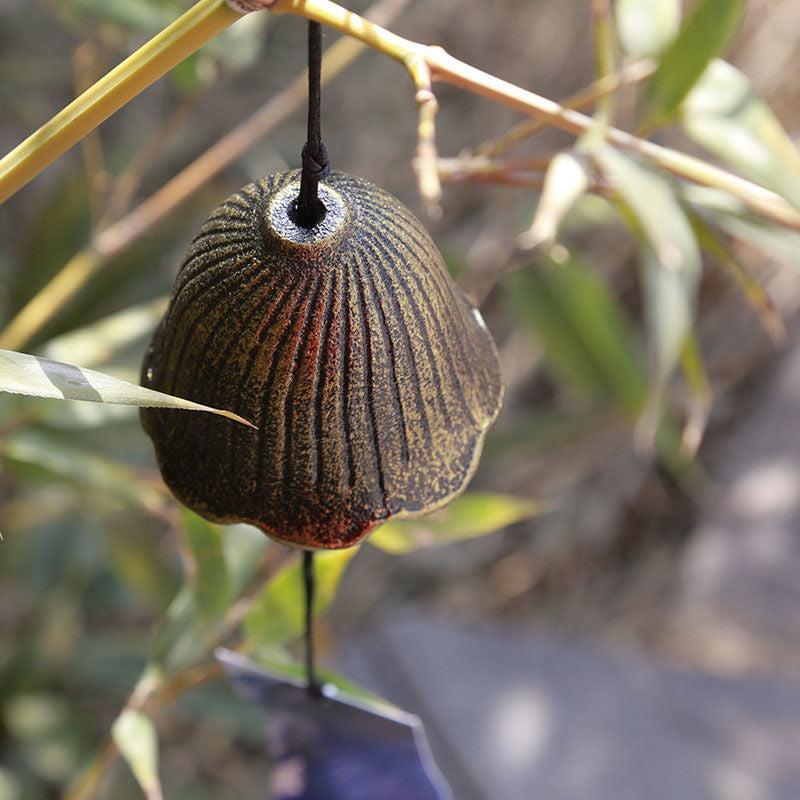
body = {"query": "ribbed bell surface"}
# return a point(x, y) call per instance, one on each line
point(370, 377)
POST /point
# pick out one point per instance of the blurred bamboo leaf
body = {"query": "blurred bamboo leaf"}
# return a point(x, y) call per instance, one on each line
point(209, 579)
point(755, 294)
point(645, 28)
point(34, 376)
point(277, 614)
point(566, 180)
point(147, 16)
point(33, 453)
point(654, 205)
point(728, 214)
point(472, 515)
point(669, 255)
point(43, 727)
point(669, 298)
point(588, 339)
point(99, 341)
point(706, 32)
point(725, 115)
point(182, 635)
point(135, 736)
point(244, 546)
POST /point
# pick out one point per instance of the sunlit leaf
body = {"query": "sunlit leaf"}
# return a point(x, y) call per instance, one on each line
point(565, 182)
point(40, 377)
point(137, 741)
point(645, 27)
point(725, 114)
point(588, 339)
point(706, 32)
point(472, 515)
point(277, 615)
point(209, 578)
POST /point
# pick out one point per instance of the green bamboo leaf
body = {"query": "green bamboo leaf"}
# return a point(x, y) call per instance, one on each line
point(135, 736)
point(278, 613)
point(472, 515)
point(669, 254)
point(588, 339)
point(209, 579)
point(706, 32)
point(724, 114)
point(645, 28)
point(34, 376)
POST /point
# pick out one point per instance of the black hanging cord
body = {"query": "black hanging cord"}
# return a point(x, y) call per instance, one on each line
point(309, 209)
point(313, 686)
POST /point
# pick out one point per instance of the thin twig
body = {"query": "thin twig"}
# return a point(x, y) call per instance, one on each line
point(630, 74)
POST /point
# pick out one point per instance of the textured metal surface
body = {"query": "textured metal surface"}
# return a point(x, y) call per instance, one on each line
point(371, 378)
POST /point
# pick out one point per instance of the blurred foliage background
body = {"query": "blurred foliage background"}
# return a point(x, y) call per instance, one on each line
point(102, 574)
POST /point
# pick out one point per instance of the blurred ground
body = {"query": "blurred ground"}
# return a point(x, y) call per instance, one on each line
point(643, 611)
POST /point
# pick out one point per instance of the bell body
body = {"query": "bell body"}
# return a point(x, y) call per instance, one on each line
point(369, 376)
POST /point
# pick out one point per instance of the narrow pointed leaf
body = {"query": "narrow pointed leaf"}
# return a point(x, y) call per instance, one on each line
point(472, 515)
point(706, 32)
point(137, 741)
point(277, 615)
point(645, 28)
point(566, 181)
point(209, 578)
point(724, 114)
point(21, 373)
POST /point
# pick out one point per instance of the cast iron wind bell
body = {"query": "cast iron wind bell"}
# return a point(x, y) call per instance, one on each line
point(326, 316)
